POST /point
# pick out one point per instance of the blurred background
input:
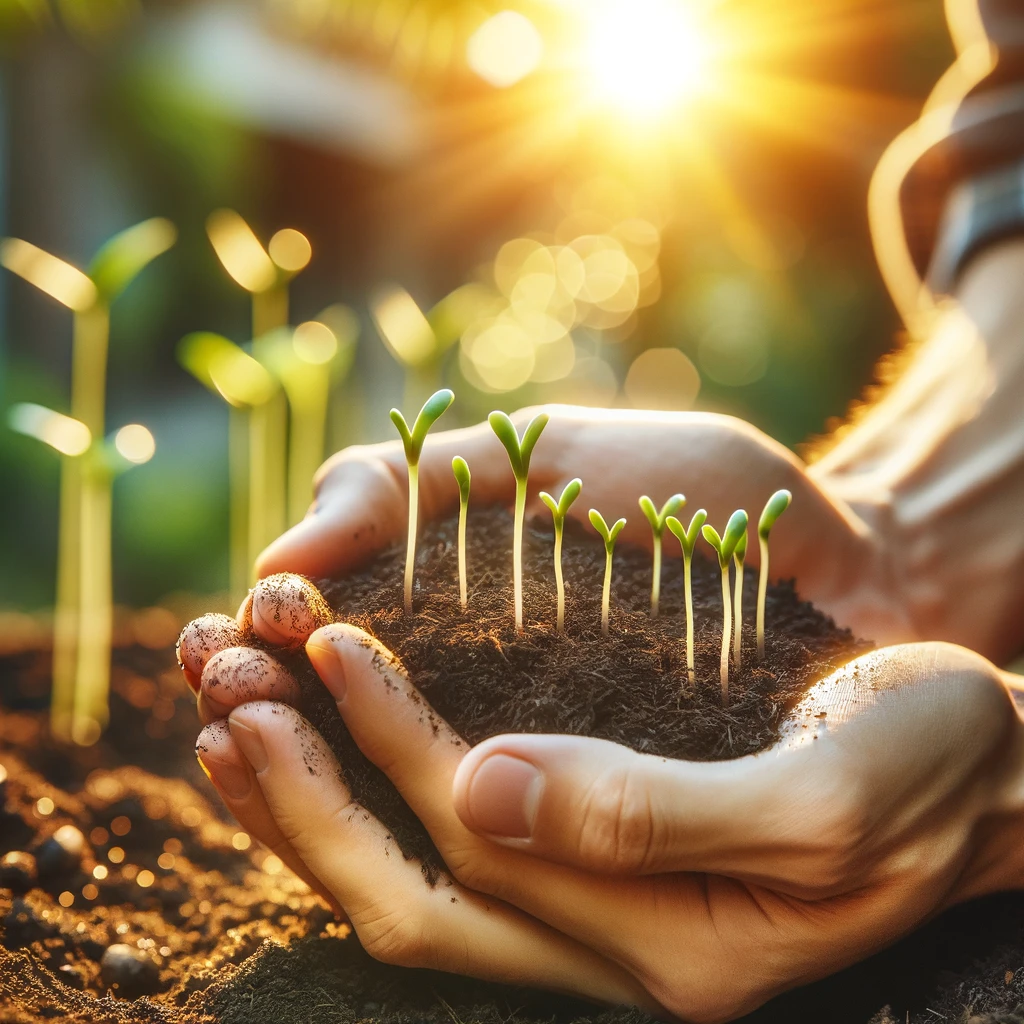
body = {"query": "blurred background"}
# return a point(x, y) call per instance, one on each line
point(650, 203)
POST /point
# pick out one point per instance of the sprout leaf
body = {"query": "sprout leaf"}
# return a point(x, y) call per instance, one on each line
point(125, 255)
point(460, 468)
point(432, 410)
point(658, 519)
point(775, 506)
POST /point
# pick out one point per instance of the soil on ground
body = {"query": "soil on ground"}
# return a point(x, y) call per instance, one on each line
point(126, 896)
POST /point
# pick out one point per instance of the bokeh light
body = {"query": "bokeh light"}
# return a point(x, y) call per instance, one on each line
point(505, 49)
point(662, 378)
point(60, 280)
point(403, 326)
point(290, 250)
point(240, 252)
point(135, 443)
point(68, 436)
point(315, 342)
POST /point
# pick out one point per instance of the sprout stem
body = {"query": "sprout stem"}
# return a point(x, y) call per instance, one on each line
point(656, 581)
point(559, 582)
point(762, 595)
point(688, 586)
point(726, 631)
point(737, 632)
point(410, 550)
point(517, 551)
point(463, 588)
point(559, 510)
point(606, 592)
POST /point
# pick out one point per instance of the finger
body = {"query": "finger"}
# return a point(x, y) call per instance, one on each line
point(398, 917)
point(233, 778)
point(284, 609)
point(201, 639)
point(239, 675)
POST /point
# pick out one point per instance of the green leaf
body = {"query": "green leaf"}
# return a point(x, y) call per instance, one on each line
point(735, 531)
point(560, 508)
point(740, 551)
point(462, 476)
point(774, 507)
point(657, 519)
point(687, 538)
point(432, 410)
point(531, 436)
point(519, 452)
point(607, 535)
point(551, 504)
point(226, 368)
point(125, 255)
point(403, 429)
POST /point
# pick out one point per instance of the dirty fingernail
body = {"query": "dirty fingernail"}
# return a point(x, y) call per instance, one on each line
point(251, 743)
point(233, 780)
point(503, 797)
point(328, 667)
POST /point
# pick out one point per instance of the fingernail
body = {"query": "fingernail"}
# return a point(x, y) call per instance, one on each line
point(233, 780)
point(503, 796)
point(328, 667)
point(251, 743)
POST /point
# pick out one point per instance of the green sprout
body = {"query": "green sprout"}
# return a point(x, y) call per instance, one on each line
point(725, 546)
point(775, 506)
point(688, 541)
point(462, 477)
point(738, 556)
point(559, 510)
point(657, 521)
point(608, 536)
point(519, 455)
point(434, 407)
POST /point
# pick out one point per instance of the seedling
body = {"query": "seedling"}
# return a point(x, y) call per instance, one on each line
point(434, 407)
point(688, 541)
point(462, 477)
point(657, 521)
point(738, 557)
point(559, 510)
point(608, 536)
point(775, 506)
point(519, 454)
point(725, 546)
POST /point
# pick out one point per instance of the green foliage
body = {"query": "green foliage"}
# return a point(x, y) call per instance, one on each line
point(608, 535)
point(560, 509)
point(687, 537)
point(658, 520)
point(434, 407)
point(460, 468)
point(740, 551)
point(519, 452)
point(726, 545)
point(774, 507)
point(125, 255)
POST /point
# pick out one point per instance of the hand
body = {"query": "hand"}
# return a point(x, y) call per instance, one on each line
point(720, 463)
point(700, 888)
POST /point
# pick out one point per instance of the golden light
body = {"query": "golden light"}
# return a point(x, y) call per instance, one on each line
point(60, 280)
point(402, 325)
point(290, 250)
point(315, 342)
point(68, 436)
point(135, 443)
point(505, 49)
point(646, 57)
point(239, 250)
point(662, 378)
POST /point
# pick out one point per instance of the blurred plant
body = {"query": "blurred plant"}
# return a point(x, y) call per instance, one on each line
point(412, 441)
point(462, 477)
point(724, 547)
point(657, 521)
point(519, 455)
point(559, 510)
point(774, 507)
point(738, 557)
point(609, 537)
point(688, 541)
point(82, 613)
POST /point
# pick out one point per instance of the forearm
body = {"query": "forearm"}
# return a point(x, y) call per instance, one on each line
point(937, 467)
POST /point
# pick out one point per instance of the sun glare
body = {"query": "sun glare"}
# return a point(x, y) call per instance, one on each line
point(646, 57)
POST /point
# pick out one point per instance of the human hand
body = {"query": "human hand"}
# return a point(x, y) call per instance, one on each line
point(721, 463)
point(702, 889)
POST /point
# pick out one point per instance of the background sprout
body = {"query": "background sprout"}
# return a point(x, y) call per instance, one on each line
point(519, 454)
point(559, 511)
point(775, 506)
point(657, 521)
point(608, 536)
point(83, 546)
point(462, 477)
point(738, 556)
point(432, 410)
point(725, 546)
point(688, 541)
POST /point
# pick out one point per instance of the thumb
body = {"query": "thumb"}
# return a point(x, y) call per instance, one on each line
point(600, 806)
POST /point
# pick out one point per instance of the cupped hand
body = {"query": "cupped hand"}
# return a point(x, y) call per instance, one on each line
point(700, 889)
point(719, 462)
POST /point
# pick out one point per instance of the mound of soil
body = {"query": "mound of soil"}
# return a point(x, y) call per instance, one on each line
point(126, 896)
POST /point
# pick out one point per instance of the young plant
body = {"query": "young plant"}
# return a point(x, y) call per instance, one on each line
point(434, 407)
point(519, 454)
point(559, 510)
point(738, 557)
point(775, 506)
point(462, 477)
point(724, 547)
point(657, 521)
point(688, 541)
point(608, 536)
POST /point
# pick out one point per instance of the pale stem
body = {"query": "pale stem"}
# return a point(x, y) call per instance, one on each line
point(737, 633)
point(65, 619)
point(559, 583)
point(762, 594)
point(517, 552)
point(269, 310)
point(463, 595)
point(410, 550)
point(656, 580)
point(606, 593)
point(726, 632)
point(258, 483)
point(688, 587)
point(306, 441)
point(238, 491)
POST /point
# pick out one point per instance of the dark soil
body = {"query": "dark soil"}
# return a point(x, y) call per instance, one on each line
point(231, 937)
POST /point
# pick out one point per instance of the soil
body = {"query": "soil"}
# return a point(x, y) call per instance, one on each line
point(218, 931)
